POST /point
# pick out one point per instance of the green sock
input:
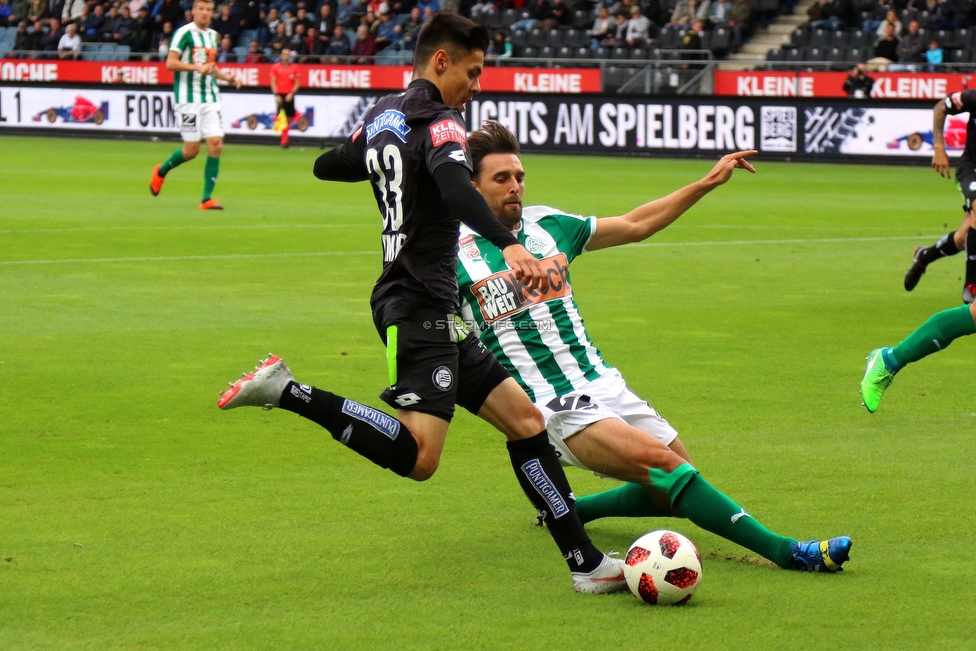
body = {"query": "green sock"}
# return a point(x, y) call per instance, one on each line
point(934, 335)
point(210, 176)
point(627, 501)
point(176, 158)
point(713, 511)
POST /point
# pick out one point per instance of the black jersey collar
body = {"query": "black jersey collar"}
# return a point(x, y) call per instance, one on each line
point(435, 93)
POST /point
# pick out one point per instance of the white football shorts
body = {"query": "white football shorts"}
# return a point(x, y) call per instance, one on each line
point(197, 120)
point(605, 397)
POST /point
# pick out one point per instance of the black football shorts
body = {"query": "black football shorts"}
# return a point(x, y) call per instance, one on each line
point(434, 361)
point(966, 182)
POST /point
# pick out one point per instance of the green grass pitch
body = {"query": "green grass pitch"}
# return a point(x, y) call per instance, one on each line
point(135, 515)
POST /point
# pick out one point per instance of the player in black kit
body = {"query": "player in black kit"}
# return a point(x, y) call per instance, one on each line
point(412, 147)
point(964, 238)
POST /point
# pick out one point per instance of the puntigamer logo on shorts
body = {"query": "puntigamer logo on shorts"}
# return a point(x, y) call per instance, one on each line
point(389, 120)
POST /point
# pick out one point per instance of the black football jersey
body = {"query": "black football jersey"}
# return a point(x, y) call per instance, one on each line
point(403, 139)
point(963, 102)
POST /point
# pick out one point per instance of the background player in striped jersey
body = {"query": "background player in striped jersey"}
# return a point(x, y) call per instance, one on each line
point(594, 420)
point(192, 53)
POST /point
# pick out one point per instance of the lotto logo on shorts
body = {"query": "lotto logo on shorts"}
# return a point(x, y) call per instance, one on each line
point(541, 482)
point(189, 123)
point(448, 131)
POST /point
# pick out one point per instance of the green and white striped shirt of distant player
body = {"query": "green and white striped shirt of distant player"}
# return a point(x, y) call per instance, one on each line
point(539, 338)
point(195, 45)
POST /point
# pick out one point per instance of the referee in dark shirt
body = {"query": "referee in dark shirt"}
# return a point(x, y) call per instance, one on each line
point(412, 147)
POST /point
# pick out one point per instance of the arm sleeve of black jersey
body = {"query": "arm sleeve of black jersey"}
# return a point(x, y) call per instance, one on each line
point(454, 182)
point(961, 102)
point(344, 163)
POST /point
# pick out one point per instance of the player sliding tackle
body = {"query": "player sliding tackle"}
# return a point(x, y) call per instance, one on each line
point(412, 147)
point(592, 418)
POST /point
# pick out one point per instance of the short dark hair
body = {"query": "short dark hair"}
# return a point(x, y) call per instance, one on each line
point(491, 138)
point(456, 34)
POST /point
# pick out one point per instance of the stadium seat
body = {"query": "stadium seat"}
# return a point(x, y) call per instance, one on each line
point(957, 56)
point(706, 39)
point(767, 7)
point(3, 50)
point(775, 55)
point(554, 38)
point(246, 37)
point(965, 37)
point(619, 53)
point(907, 16)
point(601, 53)
point(795, 55)
point(721, 41)
point(547, 52)
point(858, 54)
point(819, 38)
point(667, 38)
point(529, 52)
point(838, 57)
point(520, 38)
point(89, 52)
point(638, 54)
point(815, 54)
point(122, 52)
point(862, 39)
point(799, 37)
point(509, 17)
point(840, 38)
point(565, 52)
point(574, 38)
point(537, 37)
point(582, 19)
point(583, 53)
point(947, 39)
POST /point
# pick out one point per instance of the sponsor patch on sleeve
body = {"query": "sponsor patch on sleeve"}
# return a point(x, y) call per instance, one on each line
point(955, 100)
point(448, 131)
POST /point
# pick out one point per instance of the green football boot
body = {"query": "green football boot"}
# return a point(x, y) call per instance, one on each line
point(876, 379)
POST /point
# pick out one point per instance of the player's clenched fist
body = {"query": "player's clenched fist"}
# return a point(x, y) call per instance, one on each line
point(527, 267)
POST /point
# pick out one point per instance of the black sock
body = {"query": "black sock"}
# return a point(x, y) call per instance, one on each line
point(941, 249)
point(379, 437)
point(971, 257)
point(544, 482)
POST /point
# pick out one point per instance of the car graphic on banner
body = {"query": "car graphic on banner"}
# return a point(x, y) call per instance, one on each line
point(955, 137)
point(82, 111)
point(302, 120)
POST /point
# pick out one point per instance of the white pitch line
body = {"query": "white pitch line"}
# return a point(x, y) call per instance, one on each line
point(243, 256)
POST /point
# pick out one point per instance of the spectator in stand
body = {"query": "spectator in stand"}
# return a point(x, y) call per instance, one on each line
point(826, 14)
point(886, 49)
point(912, 45)
point(858, 84)
point(326, 21)
point(109, 26)
point(5, 10)
point(719, 13)
point(940, 16)
point(431, 4)
point(314, 45)
point(338, 44)
point(692, 41)
point(740, 22)
point(500, 47)
point(289, 20)
point(371, 23)
point(428, 15)
point(143, 34)
point(891, 18)
point(683, 14)
point(296, 43)
point(19, 10)
point(49, 42)
point(638, 28)
point(964, 13)
point(702, 10)
point(562, 14)
point(166, 34)
point(345, 13)
point(365, 45)
point(226, 25)
point(125, 28)
point(934, 55)
point(186, 19)
point(92, 27)
point(169, 12)
point(37, 11)
point(254, 53)
point(23, 41)
point(302, 18)
point(279, 41)
point(70, 44)
point(600, 30)
point(876, 16)
point(273, 22)
point(618, 33)
point(410, 30)
point(225, 50)
point(388, 32)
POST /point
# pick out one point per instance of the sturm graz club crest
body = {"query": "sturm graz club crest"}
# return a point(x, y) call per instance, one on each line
point(442, 378)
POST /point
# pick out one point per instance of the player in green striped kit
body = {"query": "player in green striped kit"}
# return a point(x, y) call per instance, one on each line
point(192, 54)
point(593, 418)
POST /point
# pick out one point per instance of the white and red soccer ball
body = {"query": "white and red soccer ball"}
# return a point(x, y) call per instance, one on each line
point(663, 568)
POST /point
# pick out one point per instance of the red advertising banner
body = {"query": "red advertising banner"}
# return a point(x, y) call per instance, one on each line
point(887, 85)
point(497, 80)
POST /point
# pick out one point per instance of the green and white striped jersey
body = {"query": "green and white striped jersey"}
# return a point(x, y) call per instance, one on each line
point(195, 45)
point(538, 337)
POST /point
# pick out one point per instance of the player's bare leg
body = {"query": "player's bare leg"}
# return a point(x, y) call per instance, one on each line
point(430, 432)
point(617, 449)
point(544, 482)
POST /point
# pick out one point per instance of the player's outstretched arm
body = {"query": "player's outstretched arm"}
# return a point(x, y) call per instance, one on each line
point(940, 159)
point(344, 163)
point(643, 221)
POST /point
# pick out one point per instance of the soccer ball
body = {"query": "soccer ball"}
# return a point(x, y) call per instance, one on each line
point(663, 568)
